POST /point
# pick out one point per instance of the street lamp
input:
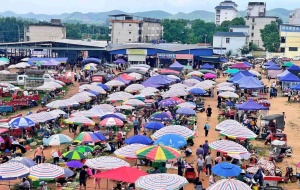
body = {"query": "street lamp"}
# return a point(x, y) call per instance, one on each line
point(205, 35)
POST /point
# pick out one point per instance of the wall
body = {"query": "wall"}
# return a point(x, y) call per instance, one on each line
point(295, 17)
point(292, 36)
point(244, 30)
point(151, 31)
point(255, 27)
point(234, 44)
point(256, 10)
point(43, 33)
point(124, 32)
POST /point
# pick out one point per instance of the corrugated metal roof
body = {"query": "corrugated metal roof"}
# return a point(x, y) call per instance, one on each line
point(231, 34)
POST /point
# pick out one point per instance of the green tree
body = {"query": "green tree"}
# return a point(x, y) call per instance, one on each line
point(228, 53)
point(224, 27)
point(238, 21)
point(176, 31)
point(244, 50)
point(270, 37)
point(253, 47)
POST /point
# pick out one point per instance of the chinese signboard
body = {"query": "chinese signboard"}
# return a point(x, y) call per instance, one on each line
point(136, 52)
point(184, 56)
point(174, 56)
point(288, 28)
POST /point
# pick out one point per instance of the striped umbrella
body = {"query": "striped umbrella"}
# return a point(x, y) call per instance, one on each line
point(24, 160)
point(21, 122)
point(229, 184)
point(87, 137)
point(94, 87)
point(115, 83)
point(134, 88)
point(106, 163)
point(228, 147)
point(58, 139)
point(84, 113)
point(111, 121)
point(13, 170)
point(174, 129)
point(134, 102)
point(80, 121)
point(73, 155)
point(128, 151)
point(62, 104)
point(84, 149)
point(241, 133)
point(46, 171)
point(158, 153)
point(160, 181)
point(227, 123)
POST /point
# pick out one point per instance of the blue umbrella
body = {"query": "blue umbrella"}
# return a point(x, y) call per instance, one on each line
point(197, 78)
point(197, 91)
point(21, 122)
point(154, 125)
point(171, 140)
point(74, 164)
point(104, 86)
point(24, 160)
point(100, 136)
point(93, 92)
point(141, 139)
point(68, 172)
point(226, 169)
point(186, 111)
point(161, 116)
point(167, 102)
point(114, 115)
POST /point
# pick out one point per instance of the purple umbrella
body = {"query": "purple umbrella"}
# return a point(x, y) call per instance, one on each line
point(167, 102)
point(74, 164)
point(210, 76)
point(119, 61)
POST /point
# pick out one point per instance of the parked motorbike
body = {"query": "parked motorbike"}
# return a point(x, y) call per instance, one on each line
point(289, 174)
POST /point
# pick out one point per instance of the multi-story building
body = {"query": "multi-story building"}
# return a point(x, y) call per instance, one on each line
point(289, 40)
point(128, 28)
point(256, 9)
point(295, 17)
point(227, 10)
point(239, 28)
point(55, 30)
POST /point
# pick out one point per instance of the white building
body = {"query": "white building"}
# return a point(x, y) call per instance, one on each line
point(256, 9)
point(225, 41)
point(239, 28)
point(227, 10)
point(128, 28)
point(295, 17)
point(255, 25)
point(52, 31)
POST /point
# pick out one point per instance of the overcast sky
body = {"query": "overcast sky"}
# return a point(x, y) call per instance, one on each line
point(172, 6)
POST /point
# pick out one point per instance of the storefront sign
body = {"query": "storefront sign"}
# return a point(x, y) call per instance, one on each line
point(287, 28)
point(166, 56)
point(136, 51)
point(184, 56)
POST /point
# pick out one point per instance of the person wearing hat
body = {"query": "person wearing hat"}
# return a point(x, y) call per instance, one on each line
point(42, 186)
point(38, 154)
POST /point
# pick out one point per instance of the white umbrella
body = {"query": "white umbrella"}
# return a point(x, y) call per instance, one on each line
point(58, 139)
point(228, 94)
point(226, 88)
point(255, 72)
point(209, 82)
point(187, 105)
point(80, 120)
point(195, 73)
point(191, 82)
point(227, 123)
point(60, 82)
point(86, 93)
point(149, 91)
point(25, 59)
point(124, 107)
point(106, 107)
point(106, 163)
point(84, 113)
point(124, 94)
point(54, 84)
point(203, 85)
point(224, 84)
point(174, 93)
point(21, 65)
point(99, 111)
point(134, 88)
point(46, 87)
point(57, 112)
point(61, 103)
point(179, 86)
point(4, 72)
point(134, 102)
point(113, 83)
point(173, 77)
point(93, 87)
point(136, 75)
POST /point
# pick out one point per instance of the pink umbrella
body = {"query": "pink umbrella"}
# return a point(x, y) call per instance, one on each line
point(111, 121)
point(1, 140)
point(210, 76)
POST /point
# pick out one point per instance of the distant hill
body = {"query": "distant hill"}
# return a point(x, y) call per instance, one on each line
point(101, 17)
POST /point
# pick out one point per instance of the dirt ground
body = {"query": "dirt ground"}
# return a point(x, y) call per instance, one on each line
point(278, 105)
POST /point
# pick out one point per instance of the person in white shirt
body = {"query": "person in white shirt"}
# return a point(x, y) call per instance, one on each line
point(55, 156)
point(107, 147)
point(188, 151)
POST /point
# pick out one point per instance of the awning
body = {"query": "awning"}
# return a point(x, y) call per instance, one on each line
point(136, 57)
point(3, 130)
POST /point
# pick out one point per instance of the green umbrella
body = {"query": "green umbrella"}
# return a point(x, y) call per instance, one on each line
point(73, 155)
point(4, 59)
point(39, 63)
point(84, 149)
point(231, 71)
point(207, 71)
point(288, 64)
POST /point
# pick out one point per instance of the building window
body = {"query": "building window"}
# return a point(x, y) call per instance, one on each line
point(129, 32)
point(253, 19)
point(252, 34)
point(231, 30)
point(282, 50)
point(227, 40)
point(282, 40)
point(252, 27)
point(129, 40)
point(293, 49)
point(129, 24)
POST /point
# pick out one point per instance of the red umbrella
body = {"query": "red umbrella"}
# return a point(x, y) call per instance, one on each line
point(124, 174)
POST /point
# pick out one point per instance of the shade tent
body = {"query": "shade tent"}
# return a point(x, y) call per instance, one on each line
point(176, 66)
point(297, 87)
point(273, 67)
point(295, 69)
point(120, 61)
point(283, 74)
point(288, 64)
point(157, 81)
point(273, 73)
point(248, 64)
point(245, 72)
point(251, 105)
point(91, 60)
point(269, 63)
point(121, 79)
point(207, 66)
point(289, 78)
point(240, 66)
point(236, 77)
point(251, 83)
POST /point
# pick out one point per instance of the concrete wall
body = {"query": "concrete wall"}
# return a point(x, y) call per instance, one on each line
point(124, 32)
point(292, 41)
point(256, 10)
point(41, 33)
point(295, 17)
point(225, 14)
point(151, 31)
point(255, 25)
point(235, 43)
point(244, 30)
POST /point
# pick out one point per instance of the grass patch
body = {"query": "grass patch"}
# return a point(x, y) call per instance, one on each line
point(262, 150)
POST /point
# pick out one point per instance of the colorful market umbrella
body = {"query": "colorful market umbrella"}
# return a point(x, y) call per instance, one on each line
point(84, 149)
point(226, 169)
point(104, 86)
point(235, 132)
point(191, 105)
point(90, 67)
point(114, 83)
point(128, 151)
point(171, 140)
point(195, 73)
point(87, 137)
point(161, 116)
point(141, 139)
point(58, 139)
point(21, 122)
point(161, 181)
point(228, 147)
point(288, 64)
point(24, 160)
point(115, 115)
point(111, 121)
point(174, 129)
point(73, 155)
point(134, 88)
point(80, 120)
point(134, 102)
point(167, 103)
point(1, 140)
point(185, 111)
point(106, 163)
point(62, 104)
point(154, 125)
point(210, 76)
point(158, 153)
point(231, 71)
point(229, 184)
point(46, 171)
point(100, 136)
point(227, 123)
point(174, 93)
point(13, 170)
point(207, 71)
point(74, 164)
point(197, 91)
point(68, 172)
point(203, 85)
point(124, 174)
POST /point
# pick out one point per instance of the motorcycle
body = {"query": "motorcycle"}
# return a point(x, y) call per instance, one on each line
point(289, 174)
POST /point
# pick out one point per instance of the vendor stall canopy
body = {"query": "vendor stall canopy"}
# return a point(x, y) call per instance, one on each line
point(176, 66)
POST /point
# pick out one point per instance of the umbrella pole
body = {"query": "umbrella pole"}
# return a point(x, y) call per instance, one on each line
point(107, 184)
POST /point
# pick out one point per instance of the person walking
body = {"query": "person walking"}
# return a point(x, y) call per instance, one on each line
point(82, 178)
point(135, 126)
point(208, 164)
point(55, 156)
point(38, 154)
point(119, 139)
point(208, 112)
point(205, 148)
point(200, 164)
point(206, 128)
point(200, 151)
point(289, 94)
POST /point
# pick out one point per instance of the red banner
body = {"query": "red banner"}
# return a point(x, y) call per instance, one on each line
point(184, 56)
